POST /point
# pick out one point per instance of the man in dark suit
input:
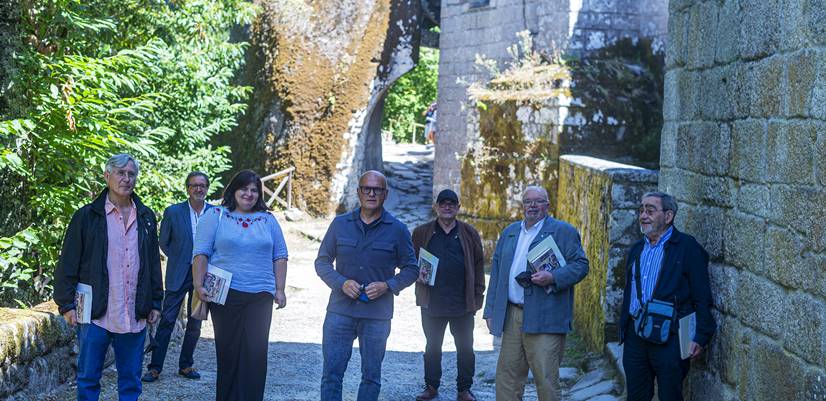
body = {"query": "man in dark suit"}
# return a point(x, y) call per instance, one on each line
point(673, 268)
point(177, 234)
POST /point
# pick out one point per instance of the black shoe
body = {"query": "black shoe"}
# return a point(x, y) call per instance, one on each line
point(190, 373)
point(150, 376)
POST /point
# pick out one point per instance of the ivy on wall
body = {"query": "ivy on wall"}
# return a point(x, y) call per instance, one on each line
point(92, 78)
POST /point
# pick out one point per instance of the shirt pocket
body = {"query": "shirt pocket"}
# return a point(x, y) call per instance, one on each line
point(346, 250)
point(384, 254)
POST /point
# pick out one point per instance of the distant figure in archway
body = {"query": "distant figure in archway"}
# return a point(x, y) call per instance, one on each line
point(430, 123)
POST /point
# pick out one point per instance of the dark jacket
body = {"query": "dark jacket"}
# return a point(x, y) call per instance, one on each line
point(176, 243)
point(683, 278)
point(83, 259)
point(474, 263)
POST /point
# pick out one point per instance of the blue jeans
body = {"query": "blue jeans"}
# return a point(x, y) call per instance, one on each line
point(337, 346)
point(94, 342)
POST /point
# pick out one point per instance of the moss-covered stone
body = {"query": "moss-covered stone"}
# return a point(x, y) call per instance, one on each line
point(312, 63)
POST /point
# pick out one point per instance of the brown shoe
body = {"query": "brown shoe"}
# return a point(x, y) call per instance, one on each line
point(466, 395)
point(428, 393)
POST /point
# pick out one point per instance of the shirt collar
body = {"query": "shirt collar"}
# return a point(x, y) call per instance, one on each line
point(536, 227)
point(663, 238)
point(108, 206)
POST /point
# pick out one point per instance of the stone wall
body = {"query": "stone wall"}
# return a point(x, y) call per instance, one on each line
point(744, 152)
point(576, 27)
point(37, 351)
point(320, 71)
point(600, 198)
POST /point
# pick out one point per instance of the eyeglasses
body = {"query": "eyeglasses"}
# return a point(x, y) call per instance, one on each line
point(126, 174)
point(650, 210)
point(534, 202)
point(197, 186)
point(373, 190)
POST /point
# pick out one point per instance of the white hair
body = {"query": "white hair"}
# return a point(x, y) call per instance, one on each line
point(536, 188)
point(119, 161)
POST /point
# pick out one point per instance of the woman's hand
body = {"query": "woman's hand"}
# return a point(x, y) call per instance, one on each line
point(280, 299)
point(202, 294)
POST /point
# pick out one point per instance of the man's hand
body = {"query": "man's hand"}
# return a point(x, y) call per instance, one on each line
point(376, 289)
point(70, 318)
point(280, 299)
point(542, 278)
point(154, 316)
point(351, 289)
point(694, 350)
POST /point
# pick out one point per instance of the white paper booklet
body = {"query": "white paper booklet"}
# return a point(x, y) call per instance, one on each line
point(83, 303)
point(428, 265)
point(688, 328)
point(546, 256)
point(216, 284)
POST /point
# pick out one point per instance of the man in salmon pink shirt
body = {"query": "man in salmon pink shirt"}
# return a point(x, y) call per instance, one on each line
point(111, 245)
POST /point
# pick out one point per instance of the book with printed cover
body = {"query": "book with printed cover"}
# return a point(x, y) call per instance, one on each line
point(545, 256)
point(83, 303)
point(216, 284)
point(428, 266)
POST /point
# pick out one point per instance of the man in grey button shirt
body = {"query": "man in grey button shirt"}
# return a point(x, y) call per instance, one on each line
point(533, 322)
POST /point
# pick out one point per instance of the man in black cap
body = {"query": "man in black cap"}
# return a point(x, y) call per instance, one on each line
point(455, 296)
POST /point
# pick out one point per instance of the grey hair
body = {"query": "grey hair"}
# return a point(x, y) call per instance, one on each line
point(668, 201)
point(119, 161)
point(536, 188)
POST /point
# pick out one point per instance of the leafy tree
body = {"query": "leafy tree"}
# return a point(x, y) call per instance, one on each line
point(409, 97)
point(96, 77)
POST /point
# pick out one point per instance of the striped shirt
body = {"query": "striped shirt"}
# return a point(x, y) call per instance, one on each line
point(651, 261)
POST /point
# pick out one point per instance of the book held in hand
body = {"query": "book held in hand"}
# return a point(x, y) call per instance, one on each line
point(83, 303)
point(428, 265)
point(216, 284)
point(545, 256)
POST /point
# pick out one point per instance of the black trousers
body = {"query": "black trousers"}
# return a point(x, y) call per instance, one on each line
point(644, 362)
point(172, 302)
point(461, 327)
point(242, 327)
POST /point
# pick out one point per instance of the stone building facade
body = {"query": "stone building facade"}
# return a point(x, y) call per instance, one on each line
point(488, 27)
point(744, 151)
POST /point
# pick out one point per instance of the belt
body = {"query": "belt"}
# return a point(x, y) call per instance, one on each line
point(520, 306)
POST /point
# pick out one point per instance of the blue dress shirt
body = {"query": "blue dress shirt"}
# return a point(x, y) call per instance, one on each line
point(366, 254)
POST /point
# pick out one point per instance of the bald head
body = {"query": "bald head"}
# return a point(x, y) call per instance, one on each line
point(373, 173)
point(372, 191)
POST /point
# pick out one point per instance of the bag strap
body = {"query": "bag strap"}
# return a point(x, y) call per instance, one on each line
point(637, 274)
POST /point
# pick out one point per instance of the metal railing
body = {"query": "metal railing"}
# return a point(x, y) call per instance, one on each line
point(287, 181)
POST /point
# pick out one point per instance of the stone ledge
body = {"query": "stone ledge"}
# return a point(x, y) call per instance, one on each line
point(36, 350)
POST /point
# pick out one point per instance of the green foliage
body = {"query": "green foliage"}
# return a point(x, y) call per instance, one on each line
point(96, 77)
point(410, 96)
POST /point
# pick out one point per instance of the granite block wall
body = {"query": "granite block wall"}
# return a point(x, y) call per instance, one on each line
point(486, 28)
point(744, 151)
point(600, 198)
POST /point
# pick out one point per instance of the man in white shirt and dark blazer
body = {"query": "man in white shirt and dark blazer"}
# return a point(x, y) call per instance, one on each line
point(177, 234)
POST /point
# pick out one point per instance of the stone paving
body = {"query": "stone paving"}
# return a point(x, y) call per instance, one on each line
point(295, 336)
